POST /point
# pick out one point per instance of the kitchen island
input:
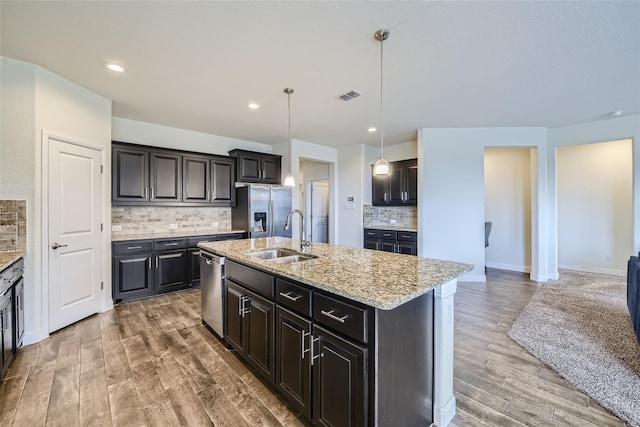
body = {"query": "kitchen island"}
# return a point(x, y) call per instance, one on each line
point(351, 336)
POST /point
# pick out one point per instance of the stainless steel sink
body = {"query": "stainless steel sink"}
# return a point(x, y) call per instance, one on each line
point(281, 256)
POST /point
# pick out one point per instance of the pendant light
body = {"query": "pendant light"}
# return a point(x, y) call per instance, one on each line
point(381, 167)
point(289, 180)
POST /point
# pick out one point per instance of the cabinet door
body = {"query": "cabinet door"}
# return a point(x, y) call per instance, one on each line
point(407, 248)
point(372, 244)
point(411, 184)
point(195, 180)
point(223, 175)
point(171, 271)
point(293, 368)
point(396, 183)
point(249, 167)
point(6, 332)
point(260, 338)
point(193, 275)
point(132, 276)
point(234, 300)
point(19, 314)
point(387, 245)
point(130, 179)
point(339, 381)
point(165, 177)
point(271, 169)
point(379, 189)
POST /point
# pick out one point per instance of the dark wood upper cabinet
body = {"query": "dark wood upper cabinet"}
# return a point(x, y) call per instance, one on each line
point(257, 167)
point(399, 188)
point(142, 176)
point(166, 177)
point(223, 172)
point(130, 177)
point(196, 179)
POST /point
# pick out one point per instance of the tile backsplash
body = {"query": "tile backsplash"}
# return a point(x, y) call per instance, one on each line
point(405, 216)
point(155, 219)
point(13, 225)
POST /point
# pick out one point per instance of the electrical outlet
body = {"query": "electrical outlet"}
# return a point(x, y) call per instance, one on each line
point(116, 228)
point(215, 224)
point(173, 226)
point(392, 221)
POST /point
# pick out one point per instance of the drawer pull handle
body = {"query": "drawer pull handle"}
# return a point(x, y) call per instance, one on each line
point(312, 341)
point(332, 316)
point(304, 350)
point(290, 296)
point(133, 247)
point(171, 244)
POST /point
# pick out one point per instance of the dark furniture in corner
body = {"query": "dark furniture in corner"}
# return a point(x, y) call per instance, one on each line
point(633, 293)
point(400, 242)
point(11, 313)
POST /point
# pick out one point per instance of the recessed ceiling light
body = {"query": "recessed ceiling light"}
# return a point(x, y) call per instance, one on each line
point(114, 67)
point(254, 106)
point(371, 129)
point(616, 113)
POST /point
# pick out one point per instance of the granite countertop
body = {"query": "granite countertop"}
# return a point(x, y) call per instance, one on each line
point(9, 257)
point(171, 234)
point(379, 279)
point(391, 227)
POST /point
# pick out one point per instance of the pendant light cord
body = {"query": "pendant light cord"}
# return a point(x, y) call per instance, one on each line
point(381, 99)
point(289, 108)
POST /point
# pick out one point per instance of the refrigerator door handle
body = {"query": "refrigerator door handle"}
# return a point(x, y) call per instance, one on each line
point(271, 219)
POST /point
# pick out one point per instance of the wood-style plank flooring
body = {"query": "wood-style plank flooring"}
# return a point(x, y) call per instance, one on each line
point(151, 362)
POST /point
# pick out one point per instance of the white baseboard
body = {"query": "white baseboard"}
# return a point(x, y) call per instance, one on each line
point(470, 277)
point(539, 278)
point(583, 268)
point(510, 267)
point(443, 416)
point(34, 337)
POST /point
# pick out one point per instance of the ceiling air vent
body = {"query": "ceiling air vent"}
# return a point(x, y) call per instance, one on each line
point(348, 95)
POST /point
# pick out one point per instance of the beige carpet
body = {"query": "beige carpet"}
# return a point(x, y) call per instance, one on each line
point(579, 326)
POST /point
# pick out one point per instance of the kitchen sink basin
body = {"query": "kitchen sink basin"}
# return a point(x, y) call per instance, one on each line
point(281, 256)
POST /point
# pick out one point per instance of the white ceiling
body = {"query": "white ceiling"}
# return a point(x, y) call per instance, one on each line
point(196, 65)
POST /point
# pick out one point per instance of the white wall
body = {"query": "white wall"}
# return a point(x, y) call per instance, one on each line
point(507, 204)
point(595, 206)
point(587, 133)
point(48, 103)
point(136, 132)
point(451, 187)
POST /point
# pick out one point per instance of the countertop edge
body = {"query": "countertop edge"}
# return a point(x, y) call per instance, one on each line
point(171, 235)
point(9, 257)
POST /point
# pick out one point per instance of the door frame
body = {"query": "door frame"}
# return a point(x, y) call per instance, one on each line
point(308, 204)
point(106, 302)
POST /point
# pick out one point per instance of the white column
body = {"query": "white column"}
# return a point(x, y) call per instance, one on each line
point(444, 402)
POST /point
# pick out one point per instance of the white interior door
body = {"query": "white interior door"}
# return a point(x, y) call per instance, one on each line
point(74, 232)
point(320, 211)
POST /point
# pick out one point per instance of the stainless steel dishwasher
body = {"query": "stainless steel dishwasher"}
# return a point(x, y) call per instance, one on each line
point(211, 283)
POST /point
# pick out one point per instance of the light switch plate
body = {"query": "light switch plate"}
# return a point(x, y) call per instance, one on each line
point(172, 226)
point(215, 224)
point(116, 228)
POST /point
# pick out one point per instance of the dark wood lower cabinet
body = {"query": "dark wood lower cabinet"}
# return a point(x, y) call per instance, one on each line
point(249, 326)
point(132, 276)
point(171, 270)
point(293, 367)
point(339, 381)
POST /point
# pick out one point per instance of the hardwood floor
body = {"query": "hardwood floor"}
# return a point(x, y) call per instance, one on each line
point(151, 362)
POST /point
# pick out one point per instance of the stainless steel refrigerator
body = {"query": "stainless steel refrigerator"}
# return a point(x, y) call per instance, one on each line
point(262, 210)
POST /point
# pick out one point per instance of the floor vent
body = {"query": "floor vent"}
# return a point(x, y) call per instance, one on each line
point(348, 95)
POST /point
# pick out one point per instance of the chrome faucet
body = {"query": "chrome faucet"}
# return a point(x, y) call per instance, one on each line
point(303, 240)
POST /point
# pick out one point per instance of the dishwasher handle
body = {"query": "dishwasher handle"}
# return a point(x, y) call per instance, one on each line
point(210, 258)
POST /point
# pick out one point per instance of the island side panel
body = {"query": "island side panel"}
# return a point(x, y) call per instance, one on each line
point(444, 401)
point(405, 363)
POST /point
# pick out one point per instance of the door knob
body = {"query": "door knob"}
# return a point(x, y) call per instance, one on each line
point(56, 246)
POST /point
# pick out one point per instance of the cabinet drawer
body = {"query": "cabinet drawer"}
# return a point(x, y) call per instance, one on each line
point(388, 234)
point(193, 241)
point(408, 236)
point(169, 244)
point(260, 282)
point(343, 317)
point(132, 247)
point(293, 296)
point(371, 233)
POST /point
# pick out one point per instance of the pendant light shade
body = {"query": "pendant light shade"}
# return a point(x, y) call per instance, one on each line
point(289, 180)
point(381, 167)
